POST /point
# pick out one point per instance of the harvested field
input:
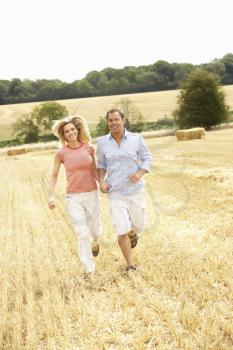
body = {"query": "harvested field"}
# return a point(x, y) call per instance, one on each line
point(182, 296)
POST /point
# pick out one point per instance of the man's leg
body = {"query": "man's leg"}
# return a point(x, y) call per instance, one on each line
point(137, 212)
point(125, 245)
point(121, 223)
point(133, 236)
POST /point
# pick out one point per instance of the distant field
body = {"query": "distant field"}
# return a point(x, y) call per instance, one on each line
point(180, 299)
point(153, 105)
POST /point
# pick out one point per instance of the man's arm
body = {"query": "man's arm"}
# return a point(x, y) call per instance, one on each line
point(104, 186)
point(145, 155)
point(135, 177)
point(146, 159)
point(101, 168)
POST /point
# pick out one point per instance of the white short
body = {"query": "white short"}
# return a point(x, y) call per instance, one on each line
point(127, 212)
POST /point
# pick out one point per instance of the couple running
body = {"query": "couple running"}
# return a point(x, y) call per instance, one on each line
point(122, 159)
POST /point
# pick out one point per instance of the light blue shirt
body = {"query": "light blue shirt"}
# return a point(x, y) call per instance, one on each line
point(120, 161)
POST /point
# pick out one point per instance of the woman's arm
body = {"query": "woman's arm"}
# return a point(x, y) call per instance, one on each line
point(94, 169)
point(53, 181)
point(104, 186)
point(101, 168)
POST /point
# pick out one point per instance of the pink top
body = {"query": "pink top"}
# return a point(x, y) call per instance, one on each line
point(79, 168)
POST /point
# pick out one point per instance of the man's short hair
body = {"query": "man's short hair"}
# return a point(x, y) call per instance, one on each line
point(113, 110)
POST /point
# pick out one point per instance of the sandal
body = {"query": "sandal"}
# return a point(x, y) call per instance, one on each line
point(95, 250)
point(131, 268)
point(133, 240)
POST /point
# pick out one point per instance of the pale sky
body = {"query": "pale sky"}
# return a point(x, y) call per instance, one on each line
point(66, 39)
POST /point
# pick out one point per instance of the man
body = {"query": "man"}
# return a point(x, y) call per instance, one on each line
point(124, 157)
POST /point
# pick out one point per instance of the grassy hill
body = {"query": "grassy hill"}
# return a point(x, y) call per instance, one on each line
point(153, 105)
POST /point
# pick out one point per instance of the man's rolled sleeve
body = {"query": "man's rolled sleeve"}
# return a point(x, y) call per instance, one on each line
point(101, 160)
point(145, 155)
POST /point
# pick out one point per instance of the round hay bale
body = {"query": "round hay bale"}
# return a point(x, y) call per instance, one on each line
point(15, 151)
point(190, 134)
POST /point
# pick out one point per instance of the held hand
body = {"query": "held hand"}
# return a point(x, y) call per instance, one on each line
point(104, 187)
point(135, 177)
point(51, 203)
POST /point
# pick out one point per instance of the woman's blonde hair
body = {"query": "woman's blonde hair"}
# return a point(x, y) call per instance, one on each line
point(78, 122)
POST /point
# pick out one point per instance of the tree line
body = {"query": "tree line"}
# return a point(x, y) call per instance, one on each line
point(161, 75)
point(201, 102)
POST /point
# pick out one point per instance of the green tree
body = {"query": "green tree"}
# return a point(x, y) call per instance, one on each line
point(4, 87)
point(134, 120)
point(93, 78)
point(181, 71)
point(148, 81)
point(48, 89)
point(166, 74)
point(83, 88)
point(201, 101)
point(228, 63)
point(45, 113)
point(101, 128)
point(25, 129)
point(15, 88)
point(216, 67)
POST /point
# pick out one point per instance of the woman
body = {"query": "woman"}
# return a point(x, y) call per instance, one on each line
point(77, 156)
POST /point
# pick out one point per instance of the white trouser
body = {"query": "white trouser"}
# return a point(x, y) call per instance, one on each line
point(84, 211)
point(127, 212)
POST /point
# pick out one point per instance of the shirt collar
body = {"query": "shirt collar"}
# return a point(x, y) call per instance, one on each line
point(126, 133)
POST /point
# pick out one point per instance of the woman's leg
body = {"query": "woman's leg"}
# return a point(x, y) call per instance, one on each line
point(92, 207)
point(79, 219)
